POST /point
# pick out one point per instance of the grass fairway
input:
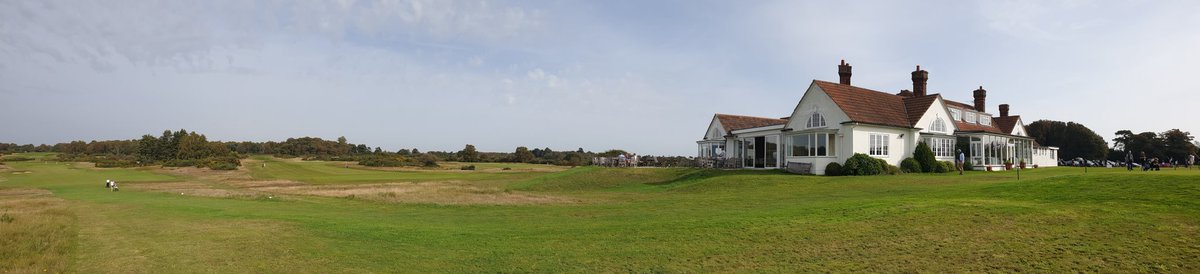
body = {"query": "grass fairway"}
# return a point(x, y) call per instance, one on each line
point(291, 216)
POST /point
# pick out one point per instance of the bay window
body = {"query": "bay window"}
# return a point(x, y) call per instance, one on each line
point(812, 145)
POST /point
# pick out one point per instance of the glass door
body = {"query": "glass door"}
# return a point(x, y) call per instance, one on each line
point(771, 152)
point(760, 154)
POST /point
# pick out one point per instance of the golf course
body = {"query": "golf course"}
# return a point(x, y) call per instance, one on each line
point(275, 215)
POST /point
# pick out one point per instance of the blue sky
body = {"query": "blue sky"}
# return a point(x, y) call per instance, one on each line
point(645, 76)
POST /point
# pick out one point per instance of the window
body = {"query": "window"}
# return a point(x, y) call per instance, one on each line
point(970, 117)
point(812, 144)
point(942, 147)
point(816, 120)
point(938, 125)
point(985, 120)
point(955, 114)
point(879, 144)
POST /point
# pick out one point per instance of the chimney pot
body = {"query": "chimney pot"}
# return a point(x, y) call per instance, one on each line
point(980, 99)
point(1003, 110)
point(844, 73)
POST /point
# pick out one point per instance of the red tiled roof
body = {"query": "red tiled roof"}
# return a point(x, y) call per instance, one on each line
point(973, 127)
point(916, 107)
point(1006, 124)
point(867, 106)
point(739, 122)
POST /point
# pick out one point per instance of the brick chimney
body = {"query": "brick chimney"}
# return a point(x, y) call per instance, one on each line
point(844, 72)
point(980, 102)
point(1003, 110)
point(919, 78)
point(905, 93)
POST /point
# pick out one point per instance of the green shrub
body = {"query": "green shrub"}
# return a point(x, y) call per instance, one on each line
point(428, 160)
point(378, 160)
point(222, 166)
point(910, 165)
point(181, 163)
point(469, 167)
point(222, 163)
point(968, 165)
point(940, 168)
point(948, 166)
point(833, 169)
point(924, 156)
point(15, 159)
point(861, 164)
point(506, 168)
point(892, 170)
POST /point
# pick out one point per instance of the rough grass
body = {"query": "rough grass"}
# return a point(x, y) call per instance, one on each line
point(632, 220)
point(36, 231)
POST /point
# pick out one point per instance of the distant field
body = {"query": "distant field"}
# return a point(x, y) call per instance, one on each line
point(294, 216)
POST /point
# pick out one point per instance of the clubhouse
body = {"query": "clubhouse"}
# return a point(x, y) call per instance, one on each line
point(833, 121)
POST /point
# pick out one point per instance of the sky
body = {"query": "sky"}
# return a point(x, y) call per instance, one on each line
point(645, 76)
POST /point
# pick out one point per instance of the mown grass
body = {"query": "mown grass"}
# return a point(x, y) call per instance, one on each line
point(642, 220)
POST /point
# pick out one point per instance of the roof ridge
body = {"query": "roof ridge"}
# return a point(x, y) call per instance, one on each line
point(748, 116)
point(858, 87)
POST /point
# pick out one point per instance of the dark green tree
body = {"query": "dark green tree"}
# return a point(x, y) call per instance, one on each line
point(523, 155)
point(924, 155)
point(468, 154)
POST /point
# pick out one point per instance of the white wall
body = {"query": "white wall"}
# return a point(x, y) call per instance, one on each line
point(898, 147)
point(1045, 157)
point(815, 100)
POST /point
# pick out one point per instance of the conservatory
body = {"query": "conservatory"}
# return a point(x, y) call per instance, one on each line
point(993, 150)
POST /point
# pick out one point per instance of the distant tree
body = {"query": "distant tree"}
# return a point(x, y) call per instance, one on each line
point(415, 151)
point(523, 155)
point(468, 154)
point(1072, 139)
point(1177, 144)
point(612, 153)
point(579, 151)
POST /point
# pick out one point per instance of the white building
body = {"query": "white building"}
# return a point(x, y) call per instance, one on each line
point(833, 121)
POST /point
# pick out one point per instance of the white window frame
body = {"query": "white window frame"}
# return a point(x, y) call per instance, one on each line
point(970, 117)
point(985, 120)
point(879, 144)
point(938, 125)
point(815, 120)
point(942, 147)
point(812, 145)
point(956, 114)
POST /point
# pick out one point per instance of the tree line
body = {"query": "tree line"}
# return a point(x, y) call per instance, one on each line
point(183, 148)
point(1173, 144)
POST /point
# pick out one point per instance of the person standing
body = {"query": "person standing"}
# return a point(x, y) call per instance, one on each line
point(1142, 160)
point(1191, 160)
point(958, 161)
point(1129, 160)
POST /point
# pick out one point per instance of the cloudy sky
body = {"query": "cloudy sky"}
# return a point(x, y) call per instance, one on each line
point(640, 75)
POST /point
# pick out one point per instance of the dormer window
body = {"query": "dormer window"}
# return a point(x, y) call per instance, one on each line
point(985, 120)
point(956, 114)
point(970, 117)
point(938, 125)
point(815, 121)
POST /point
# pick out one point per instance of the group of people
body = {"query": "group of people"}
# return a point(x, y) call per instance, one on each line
point(111, 185)
point(622, 160)
point(1153, 163)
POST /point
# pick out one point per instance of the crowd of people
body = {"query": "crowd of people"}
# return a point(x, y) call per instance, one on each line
point(1154, 163)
